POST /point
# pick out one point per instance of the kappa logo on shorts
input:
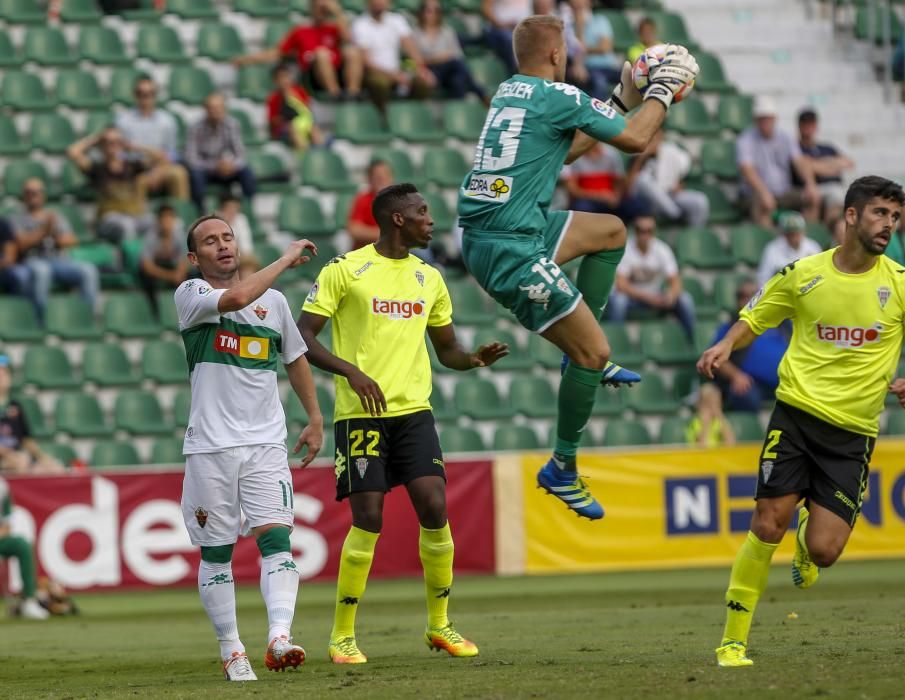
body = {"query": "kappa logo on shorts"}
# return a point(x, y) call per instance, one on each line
point(339, 464)
point(767, 468)
point(537, 293)
point(362, 465)
point(201, 516)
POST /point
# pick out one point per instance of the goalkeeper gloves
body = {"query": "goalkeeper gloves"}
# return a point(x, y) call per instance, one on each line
point(676, 72)
point(625, 96)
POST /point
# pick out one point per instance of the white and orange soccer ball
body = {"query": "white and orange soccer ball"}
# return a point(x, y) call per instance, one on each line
point(641, 70)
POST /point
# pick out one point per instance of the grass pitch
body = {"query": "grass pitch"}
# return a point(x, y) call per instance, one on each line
point(634, 635)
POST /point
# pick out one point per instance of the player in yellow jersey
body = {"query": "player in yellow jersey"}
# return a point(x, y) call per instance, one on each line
point(847, 307)
point(382, 300)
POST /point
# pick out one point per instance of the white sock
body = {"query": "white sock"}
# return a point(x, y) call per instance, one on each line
point(218, 596)
point(279, 587)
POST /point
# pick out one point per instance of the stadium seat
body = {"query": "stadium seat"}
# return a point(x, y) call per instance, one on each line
point(819, 232)
point(256, 8)
point(712, 77)
point(18, 322)
point(746, 426)
point(17, 172)
point(219, 42)
point(355, 7)
point(80, 11)
point(625, 433)
point(80, 90)
point(51, 133)
point(37, 423)
point(456, 439)
point(651, 396)
point(303, 216)
point(622, 350)
point(71, 318)
point(22, 12)
point(895, 422)
point(489, 72)
point(515, 437)
point(276, 31)
point(445, 167)
point(102, 45)
point(464, 120)
point(324, 170)
point(106, 257)
point(64, 453)
point(253, 83)
point(718, 159)
point(704, 307)
point(441, 406)
point(182, 404)
point(167, 451)
point(724, 289)
point(704, 333)
point(139, 413)
point(73, 182)
point(443, 216)
point(106, 364)
point(12, 143)
point(883, 16)
point(672, 431)
point(624, 35)
point(47, 46)
point(122, 84)
point(49, 368)
point(148, 11)
point(671, 28)
point(685, 383)
point(251, 135)
point(114, 453)
point(517, 360)
point(701, 248)
point(168, 317)
point(533, 397)
point(588, 437)
point(747, 242)
point(665, 342)
point(471, 306)
point(722, 210)
point(129, 315)
point(26, 92)
point(9, 57)
point(611, 402)
point(401, 163)
point(160, 44)
point(80, 415)
point(360, 123)
point(479, 399)
point(193, 9)
point(736, 112)
point(413, 122)
point(270, 171)
point(691, 118)
point(190, 85)
point(295, 412)
point(544, 353)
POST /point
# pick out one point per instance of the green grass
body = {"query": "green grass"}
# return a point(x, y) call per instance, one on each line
point(595, 636)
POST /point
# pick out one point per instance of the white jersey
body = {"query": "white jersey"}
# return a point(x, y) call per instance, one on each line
point(232, 361)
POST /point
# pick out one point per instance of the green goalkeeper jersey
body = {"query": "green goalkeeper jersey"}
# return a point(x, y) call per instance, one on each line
point(522, 148)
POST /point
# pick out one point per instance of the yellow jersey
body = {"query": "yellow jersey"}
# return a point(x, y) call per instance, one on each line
point(846, 339)
point(381, 308)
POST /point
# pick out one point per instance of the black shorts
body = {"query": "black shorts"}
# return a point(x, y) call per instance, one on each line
point(376, 454)
point(806, 455)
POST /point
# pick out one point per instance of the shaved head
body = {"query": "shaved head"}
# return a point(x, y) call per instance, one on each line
point(535, 38)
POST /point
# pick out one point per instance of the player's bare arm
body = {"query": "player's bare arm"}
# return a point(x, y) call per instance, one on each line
point(451, 354)
point(898, 388)
point(739, 336)
point(302, 383)
point(245, 292)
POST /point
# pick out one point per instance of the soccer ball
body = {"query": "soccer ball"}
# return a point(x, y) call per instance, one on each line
point(647, 60)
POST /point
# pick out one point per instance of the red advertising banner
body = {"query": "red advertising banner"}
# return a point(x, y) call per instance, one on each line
point(125, 529)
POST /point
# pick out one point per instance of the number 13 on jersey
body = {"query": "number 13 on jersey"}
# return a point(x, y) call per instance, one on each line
point(501, 133)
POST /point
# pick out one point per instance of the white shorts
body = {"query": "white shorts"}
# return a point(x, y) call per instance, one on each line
point(220, 488)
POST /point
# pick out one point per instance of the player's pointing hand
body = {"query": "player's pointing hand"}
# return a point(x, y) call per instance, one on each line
point(372, 399)
point(898, 388)
point(486, 355)
point(713, 358)
point(296, 252)
point(312, 437)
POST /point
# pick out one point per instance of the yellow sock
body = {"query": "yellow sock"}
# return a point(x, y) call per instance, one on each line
point(436, 549)
point(354, 565)
point(746, 584)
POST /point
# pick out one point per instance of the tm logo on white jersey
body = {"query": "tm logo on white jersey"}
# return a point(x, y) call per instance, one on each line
point(849, 336)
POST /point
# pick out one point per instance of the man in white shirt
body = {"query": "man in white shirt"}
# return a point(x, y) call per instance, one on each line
point(789, 246)
point(382, 37)
point(663, 166)
point(501, 17)
point(648, 278)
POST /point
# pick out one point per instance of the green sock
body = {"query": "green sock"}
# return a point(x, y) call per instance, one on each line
point(20, 549)
point(577, 392)
point(436, 549)
point(747, 582)
point(354, 565)
point(596, 276)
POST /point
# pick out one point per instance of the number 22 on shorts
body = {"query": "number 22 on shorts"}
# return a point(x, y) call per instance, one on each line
point(357, 437)
point(772, 441)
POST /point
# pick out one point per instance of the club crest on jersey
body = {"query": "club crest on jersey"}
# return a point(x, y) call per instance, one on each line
point(362, 465)
point(397, 309)
point(201, 516)
point(849, 336)
point(261, 311)
point(883, 294)
point(420, 277)
point(564, 287)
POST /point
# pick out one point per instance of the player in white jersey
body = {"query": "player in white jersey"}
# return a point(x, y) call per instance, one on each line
point(235, 331)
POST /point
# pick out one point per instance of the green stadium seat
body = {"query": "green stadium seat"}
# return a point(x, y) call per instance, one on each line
point(122, 84)
point(625, 433)
point(253, 82)
point(51, 133)
point(129, 315)
point(489, 72)
point(169, 320)
point(895, 422)
point(64, 453)
point(588, 437)
point(665, 342)
point(518, 358)
point(303, 216)
point(651, 396)
point(276, 31)
point(820, 233)
point(167, 451)
point(256, 8)
point(704, 332)
point(533, 397)
point(37, 423)
point(80, 415)
point(106, 364)
point(160, 44)
point(18, 172)
point(624, 35)
point(691, 118)
point(623, 351)
point(442, 407)
point(515, 438)
point(219, 42)
point(341, 209)
point(80, 90)
point(47, 46)
point(479, 399)
point(471, 306)
point(182, 404)
point(736, 112)
point(685, 383)
point(671, 28)
point(139, 413)
point(18, 322)
point(725, 287)
point(251, 135)
point(464, 120)
point(718, 159)
point(360, 123)
point(114, 453)
point(413, 122)
point(106, 257)
point(722, 211)
point(164, 361)
point(270, 171)
point(9, 57)
point(26, 92)
point(193, 9)
point(712, 77)
point(470, 39)
point(883, 16)
point(295, 412)
point(324, 170)
point(22, 12)
point(456, 439)
point(355, 7)
point(444, 167)
point(73, 182)
point(544, 353)
point(49, 368)
point(672, 431)
point(102, 45)
point(704, 306)
point(748, 241)
point(443, 216)
point(80, 11)
point(746, 426)
point(12, 143)
point(609, 402)
point(71, 318)
point(400, 162)
point(146, 12)
point(702, 248)
point(97, 120)
point(189, 85)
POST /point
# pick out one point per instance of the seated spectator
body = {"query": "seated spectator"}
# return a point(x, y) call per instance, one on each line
point(115, 177)
point(766, 157)
point(751, 374)
point(576, 71)
point(709, 427)
point(288, 115)
point(214, 152)
point(827, 163)
point(13, 546)
point(647, 36)
point(648, 278)
point(19, 453)
point(43, 237)
point(597, 183)
point(230, 209)
point(151, 127)
point(164, 261)
point(501, 16)
point(663, 166)
point(15, 278)
point(322, 49)
point(442, 53)
point(383, 36)
point(791, 245)
point(603, 67)
point(361, 224)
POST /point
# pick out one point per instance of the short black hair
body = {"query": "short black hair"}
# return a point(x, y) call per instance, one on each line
point(166, 209)
point(227, 197)
point(864, 189)
point(808, 114)
point(142, 77)
point(646, 21)
point(389, 200)
point(190, 236)
point(282, 66)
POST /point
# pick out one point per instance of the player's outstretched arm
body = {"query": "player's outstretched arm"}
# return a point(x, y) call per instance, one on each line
point(451, 354)
point(713, 358)
point(302, 383)
point(241, 295)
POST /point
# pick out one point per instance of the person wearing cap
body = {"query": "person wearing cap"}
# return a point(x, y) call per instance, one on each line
point(827, 163)
point(789, 246)
point(766, 157)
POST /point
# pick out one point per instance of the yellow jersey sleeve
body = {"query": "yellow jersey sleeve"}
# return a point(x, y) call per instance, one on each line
point(327, 291)
point(773, 303)
point(441, 311)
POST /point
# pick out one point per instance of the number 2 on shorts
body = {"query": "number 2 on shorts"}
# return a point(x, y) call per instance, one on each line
point(772, 441)
point(357, 437)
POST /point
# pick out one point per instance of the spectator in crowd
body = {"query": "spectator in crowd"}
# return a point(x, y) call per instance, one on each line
point(827, 163)
point(576, 71)
point(837, 232)
point(751, 374)
point(230, 209)
point(164, 260)
point(603, 67)
point(13, 546)
point(709, 427)
point(19, 453)
point(501, 17)
point(442, 53)
point(15, 278)
point(663, 166)
point(215, 152)
point(117, 179)
point(766, 157)
point(151, 127)
point(383, 36)
point(647, 36)
point(597, 183)
point(789, 246)
point(43, 237)
point(288, 115)
point(322, 49)
point(361, 225)
point(648, 278)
